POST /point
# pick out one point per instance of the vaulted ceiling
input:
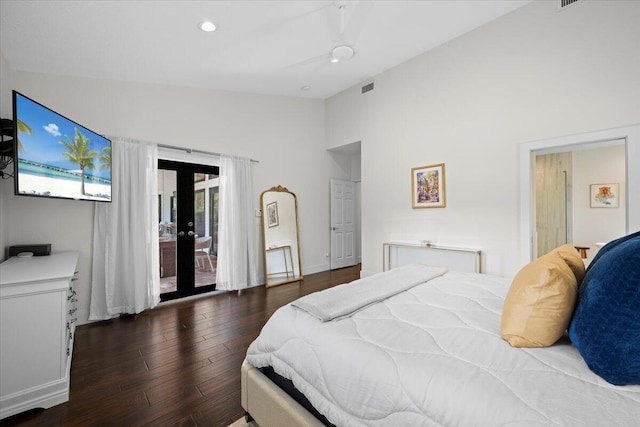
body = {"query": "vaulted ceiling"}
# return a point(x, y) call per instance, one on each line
point(261, 46)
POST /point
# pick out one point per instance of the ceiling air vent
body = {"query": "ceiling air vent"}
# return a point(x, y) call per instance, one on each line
point(367, 88)
point(566, 3)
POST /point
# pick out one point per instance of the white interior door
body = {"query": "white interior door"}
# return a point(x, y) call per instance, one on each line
point(343, 235)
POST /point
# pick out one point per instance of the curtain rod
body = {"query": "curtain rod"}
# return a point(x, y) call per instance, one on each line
point(190, 150)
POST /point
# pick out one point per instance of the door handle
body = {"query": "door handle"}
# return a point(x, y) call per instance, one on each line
point(190, 233)
point(335, 228)
point(180, 233)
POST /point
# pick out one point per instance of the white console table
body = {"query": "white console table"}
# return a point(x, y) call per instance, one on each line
point(287, 261)
point(396, 254)
point(37, 323)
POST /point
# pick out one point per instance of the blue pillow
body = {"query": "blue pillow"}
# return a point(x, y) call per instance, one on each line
point(612, 244)
point(605, 327)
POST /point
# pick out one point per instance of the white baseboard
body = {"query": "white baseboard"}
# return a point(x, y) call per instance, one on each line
point(83, 317)
point(366, 273)
point(316, 269)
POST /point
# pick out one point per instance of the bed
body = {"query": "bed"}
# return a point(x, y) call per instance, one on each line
point(431, 354)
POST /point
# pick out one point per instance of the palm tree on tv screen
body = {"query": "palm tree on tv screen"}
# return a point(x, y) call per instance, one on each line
point(78, 152)
point(105, 158)
point(22, 128)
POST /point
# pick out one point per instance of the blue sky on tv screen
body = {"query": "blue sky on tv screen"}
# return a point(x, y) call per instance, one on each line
point(47, 130)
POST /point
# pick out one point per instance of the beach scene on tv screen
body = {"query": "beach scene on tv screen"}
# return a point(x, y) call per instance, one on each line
point(57, 157)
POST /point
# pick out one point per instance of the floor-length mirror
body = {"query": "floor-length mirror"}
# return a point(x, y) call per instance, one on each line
point(280, 236)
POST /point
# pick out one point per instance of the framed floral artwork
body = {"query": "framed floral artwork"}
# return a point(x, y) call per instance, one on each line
point(272, 214)
point(605, 195)
point(427, 186)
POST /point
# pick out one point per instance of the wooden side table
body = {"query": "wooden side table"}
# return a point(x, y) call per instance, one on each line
point(583, 251)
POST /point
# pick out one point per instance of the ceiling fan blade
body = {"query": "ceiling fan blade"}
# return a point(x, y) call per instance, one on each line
point(335, 20)
point(343, 10)
point(348, 25)
point(324, 58)
point(357, 20)
point(276, 25)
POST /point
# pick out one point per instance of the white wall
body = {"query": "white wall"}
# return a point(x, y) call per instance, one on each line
point(591, 225)
point(285, 134)
point(5, 88)
point(535, 73)
point(532, 74)
point(5, 112)
point(356, 175)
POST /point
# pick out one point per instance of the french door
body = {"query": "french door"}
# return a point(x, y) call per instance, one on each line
point(188, 229)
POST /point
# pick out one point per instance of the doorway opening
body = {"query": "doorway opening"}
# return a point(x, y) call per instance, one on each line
point(563, 209)
point(628, 136)
point(188, 228)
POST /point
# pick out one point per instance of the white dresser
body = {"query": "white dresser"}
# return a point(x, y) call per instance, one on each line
point(37, 323)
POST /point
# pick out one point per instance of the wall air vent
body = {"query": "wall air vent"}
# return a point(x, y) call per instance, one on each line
point(367, 88)
point(566, 3)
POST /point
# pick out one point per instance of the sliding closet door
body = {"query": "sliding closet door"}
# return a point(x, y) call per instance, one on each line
point(188, 228)
point(553, 206)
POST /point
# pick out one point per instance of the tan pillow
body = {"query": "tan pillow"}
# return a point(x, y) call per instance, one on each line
point(573, 259)
point(540, 302)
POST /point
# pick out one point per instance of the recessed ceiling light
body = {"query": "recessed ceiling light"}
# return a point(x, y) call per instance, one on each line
point(207, 26)
point(305, 87)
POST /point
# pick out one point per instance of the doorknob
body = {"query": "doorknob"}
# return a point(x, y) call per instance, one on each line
point(180, 233)
point(335, 228)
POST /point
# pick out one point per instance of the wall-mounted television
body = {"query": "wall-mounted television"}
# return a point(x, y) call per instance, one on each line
point(57, 157)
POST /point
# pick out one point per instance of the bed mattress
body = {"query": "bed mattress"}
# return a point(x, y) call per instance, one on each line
point(433, 355)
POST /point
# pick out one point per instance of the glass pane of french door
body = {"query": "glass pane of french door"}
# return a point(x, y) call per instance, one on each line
point(167, 231)
point(187, 233)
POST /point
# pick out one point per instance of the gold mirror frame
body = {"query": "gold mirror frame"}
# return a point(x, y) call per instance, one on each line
point(277, 236)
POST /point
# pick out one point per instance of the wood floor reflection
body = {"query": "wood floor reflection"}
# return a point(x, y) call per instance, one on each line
point(204, 276)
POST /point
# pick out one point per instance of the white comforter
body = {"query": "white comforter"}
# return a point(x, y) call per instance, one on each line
point(433, 355)
point(345, 300)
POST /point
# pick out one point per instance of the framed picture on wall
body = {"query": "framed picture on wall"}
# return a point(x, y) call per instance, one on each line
point(427, 186)
point(272, 214)
point(605, 195)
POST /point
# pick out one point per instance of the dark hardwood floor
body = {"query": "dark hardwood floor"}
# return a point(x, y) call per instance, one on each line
point(176, 365)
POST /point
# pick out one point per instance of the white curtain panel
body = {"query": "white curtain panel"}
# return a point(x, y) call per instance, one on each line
point(126, 264)
point(237, 267)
